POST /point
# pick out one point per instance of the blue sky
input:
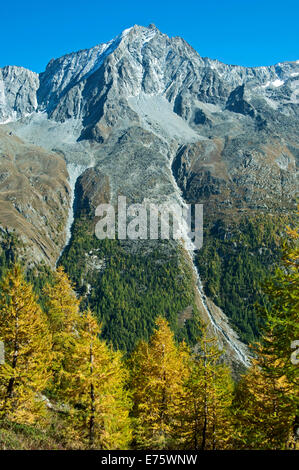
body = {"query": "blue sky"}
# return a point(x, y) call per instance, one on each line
point(245, 32)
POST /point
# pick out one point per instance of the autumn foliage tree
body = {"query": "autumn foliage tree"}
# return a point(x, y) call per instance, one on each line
point(205, 407)
point(158, 373)
point(262, 410)
point(88, 376)
point(23, 329)
point(64, 317)
point(99, 414)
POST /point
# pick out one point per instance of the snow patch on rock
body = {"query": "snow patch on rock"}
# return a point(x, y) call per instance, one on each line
point(277, 83)
point(158, 117)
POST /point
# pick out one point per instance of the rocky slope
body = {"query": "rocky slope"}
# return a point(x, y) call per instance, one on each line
point(34, 196)
point(157, 122)
point(18, 87)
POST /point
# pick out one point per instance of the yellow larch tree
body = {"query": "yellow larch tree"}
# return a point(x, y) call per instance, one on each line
point(205, 408)
point(63, 313)
point(96, 379)
point(158, 374)
point(263, 412)
point(23, 330)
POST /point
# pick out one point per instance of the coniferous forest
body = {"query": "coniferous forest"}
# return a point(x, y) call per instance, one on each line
point(66, 385)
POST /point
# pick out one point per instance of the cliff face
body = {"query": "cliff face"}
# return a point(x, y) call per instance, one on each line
point(18, 87)
point(147, 117)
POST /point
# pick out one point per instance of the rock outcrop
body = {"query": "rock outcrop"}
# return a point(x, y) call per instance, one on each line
point(18, 88)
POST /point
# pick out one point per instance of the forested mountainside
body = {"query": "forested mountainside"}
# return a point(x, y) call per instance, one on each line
point(146, 117)
point(63, 387)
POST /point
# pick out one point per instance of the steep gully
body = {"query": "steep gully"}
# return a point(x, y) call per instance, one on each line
point(75, 171)
point(217, 328)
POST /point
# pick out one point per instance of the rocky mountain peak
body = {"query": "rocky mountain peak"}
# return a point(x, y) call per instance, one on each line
point(139, 60)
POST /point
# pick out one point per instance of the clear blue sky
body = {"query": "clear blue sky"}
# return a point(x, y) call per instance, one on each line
point(245, 32)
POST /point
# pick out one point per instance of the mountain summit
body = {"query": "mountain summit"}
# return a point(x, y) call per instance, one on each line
point(139, 60)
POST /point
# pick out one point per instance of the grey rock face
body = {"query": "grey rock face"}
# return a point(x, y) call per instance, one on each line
point(18, 87)
point(237, 103)
point(94, 84)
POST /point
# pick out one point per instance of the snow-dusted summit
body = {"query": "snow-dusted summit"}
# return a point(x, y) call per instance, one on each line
point(140, 60)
